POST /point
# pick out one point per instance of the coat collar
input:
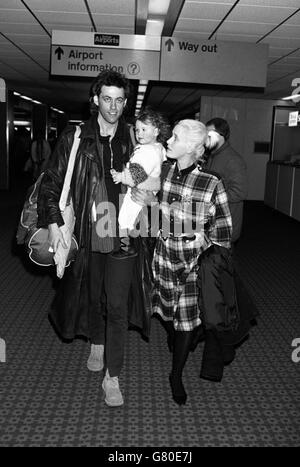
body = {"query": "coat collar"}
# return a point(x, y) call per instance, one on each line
point(90, 128)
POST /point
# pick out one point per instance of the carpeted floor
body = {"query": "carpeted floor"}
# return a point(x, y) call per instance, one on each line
point(49, 398)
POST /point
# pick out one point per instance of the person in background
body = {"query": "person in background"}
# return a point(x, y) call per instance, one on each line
point(226, 162)
point(223, 160)
point(91, 300)
point(144, 168)
point(40, 153)
point(52, 139)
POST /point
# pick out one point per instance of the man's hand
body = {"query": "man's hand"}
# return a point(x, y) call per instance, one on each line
point(116, 176)
point(143, 197)
point(55, 237)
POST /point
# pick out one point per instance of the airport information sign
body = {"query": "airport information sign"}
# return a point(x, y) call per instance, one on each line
point(183, 60)
point(87, 54)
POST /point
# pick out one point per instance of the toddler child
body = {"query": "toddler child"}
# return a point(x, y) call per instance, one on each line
point(144, 167)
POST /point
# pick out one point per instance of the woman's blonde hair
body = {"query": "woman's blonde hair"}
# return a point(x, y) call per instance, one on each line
point(197, 136)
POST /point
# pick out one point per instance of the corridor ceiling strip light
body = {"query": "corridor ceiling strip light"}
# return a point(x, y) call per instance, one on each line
point(22, 123)
point(26, 98)
point(56, 110)
point(141, 94)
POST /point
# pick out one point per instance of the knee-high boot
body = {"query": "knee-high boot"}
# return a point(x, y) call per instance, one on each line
point(181, 348)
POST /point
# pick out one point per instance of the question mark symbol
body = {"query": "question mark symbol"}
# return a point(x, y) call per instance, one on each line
point(133, 68)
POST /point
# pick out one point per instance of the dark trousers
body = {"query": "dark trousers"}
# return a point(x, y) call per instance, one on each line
point(109, 284)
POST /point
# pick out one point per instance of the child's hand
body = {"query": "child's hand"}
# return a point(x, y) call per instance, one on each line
point(116, 176)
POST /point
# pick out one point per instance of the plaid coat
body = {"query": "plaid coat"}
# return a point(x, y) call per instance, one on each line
point(195, 215)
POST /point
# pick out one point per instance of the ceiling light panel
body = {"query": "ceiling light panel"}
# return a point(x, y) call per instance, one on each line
point(154, 27)
point(158, 7)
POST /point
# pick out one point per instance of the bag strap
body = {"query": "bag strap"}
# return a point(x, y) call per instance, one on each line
point(69, 172)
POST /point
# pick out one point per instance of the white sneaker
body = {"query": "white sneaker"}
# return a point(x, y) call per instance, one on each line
point(113, 395)
point(95, 360)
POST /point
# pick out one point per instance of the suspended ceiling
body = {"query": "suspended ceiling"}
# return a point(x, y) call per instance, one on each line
point(25, 39)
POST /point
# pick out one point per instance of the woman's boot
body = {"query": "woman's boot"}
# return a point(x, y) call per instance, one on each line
point(181, 348)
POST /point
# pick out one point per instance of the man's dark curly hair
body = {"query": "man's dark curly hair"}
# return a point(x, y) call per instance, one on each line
point(158, 120)
point(108, 78)
point(221, 126)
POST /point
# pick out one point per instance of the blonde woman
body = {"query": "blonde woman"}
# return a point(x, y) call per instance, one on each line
point(195, 216)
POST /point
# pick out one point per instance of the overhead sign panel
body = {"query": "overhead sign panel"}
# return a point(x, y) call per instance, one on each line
point(213, 62)
point(87, 54)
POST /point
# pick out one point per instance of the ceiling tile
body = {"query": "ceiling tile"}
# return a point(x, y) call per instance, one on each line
point(286, 32)
point(11, 5)
point(260, 14)
point(271, 3)
point(113, 21)
point(119, 7)
point(62, 17)
point(70, 6)
point(240, 27)
point(205, 10)
point(191, 26)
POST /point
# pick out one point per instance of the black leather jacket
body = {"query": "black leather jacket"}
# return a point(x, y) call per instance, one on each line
point(86, 176)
